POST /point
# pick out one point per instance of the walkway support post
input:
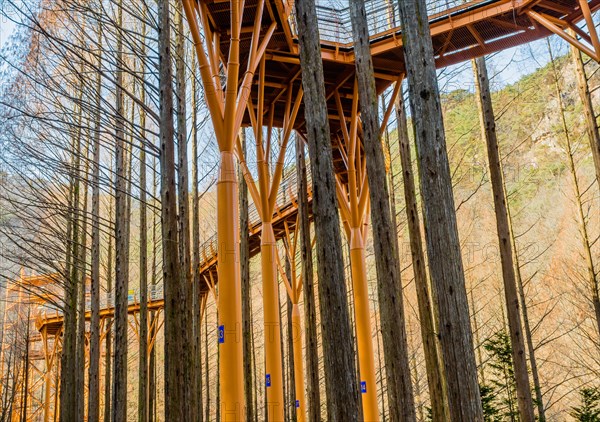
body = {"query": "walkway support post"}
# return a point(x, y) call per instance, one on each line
point(227, 103)
point(353, 200)
point(293, 287)
point(265, 197)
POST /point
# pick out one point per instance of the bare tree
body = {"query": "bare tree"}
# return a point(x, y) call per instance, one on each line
point(119, 381)
point(246, 287)
point(175, 379)
point(389, 285)
point(435, 380)
point(588, 110)
point(340, 380)
point(443, 246)
point(592, 277)
point(94, 359)
point(488, 128)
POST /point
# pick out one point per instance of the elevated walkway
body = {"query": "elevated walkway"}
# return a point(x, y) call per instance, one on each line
point(49, 318)
point(459, 30)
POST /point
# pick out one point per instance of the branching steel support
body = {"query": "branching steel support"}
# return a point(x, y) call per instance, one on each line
point(294, 290)
point(353, 201)
point(227, 105)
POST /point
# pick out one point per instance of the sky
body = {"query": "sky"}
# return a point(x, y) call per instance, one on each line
point(505, 67)
point(6, 26)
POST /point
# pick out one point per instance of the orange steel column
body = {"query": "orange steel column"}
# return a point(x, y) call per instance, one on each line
point(230, 293)
point(273, 360)
point(362, 316)
point(227, 104)
point(265, 197)
point(294, 289)
point(300, 404)
point(353, 202)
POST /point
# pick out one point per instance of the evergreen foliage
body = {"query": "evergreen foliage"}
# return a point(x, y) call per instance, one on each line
point(589, 410)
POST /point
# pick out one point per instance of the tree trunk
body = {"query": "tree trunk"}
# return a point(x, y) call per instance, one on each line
point(186, 353)
point(206, 370)
point(389, 285)
point(443, 246)
point(119, 391)
point(143, 410)
point(340, 372)
point(68, 374)
point(152, 363)
point(175, 363)
point(94, 368)
point(196, 311)
point(108, 337)
point(539, 399)
point(291, 381)
point(26, 366)
point(308, 289)
point(246, 292)
point(488, 128)
point(82, 263)
point(435, 380)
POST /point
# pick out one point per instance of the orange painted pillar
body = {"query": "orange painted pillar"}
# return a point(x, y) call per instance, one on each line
point(362, 316)
point(272, 324)
point(296, 334)
point(230, 293)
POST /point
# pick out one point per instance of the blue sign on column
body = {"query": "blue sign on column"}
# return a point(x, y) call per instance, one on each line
point(268, 379)
point(297, 403)
point(363, 387)
point(221, 334)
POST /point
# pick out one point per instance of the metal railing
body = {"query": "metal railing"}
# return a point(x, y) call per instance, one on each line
point(383, 16)
point(155, 292)
point(285, 196)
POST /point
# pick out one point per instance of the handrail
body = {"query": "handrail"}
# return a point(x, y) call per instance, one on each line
point(383, 16)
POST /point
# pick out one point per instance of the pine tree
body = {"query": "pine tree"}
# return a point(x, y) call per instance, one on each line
point(503, 393)
point(589, 410)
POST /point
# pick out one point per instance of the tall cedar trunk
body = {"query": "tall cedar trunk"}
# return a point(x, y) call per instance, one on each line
point(82, 262)
point(108, 337)
point(206, 369)
point(443, 246)
point(588, 110)
point(26, 367)
point(284, 373)
point(254, 372)
point(119, 390)
point(94, 359)
point(175, 378)
point(308, 289)
point(488, 128)
point(152, 363)
point(539, 399)
point(183, 219)
point(143, 330)
point(291, 390)
point(196, 311)
point(68, 399)
point(389, 285)
point(246, 292)
point(381, 394)
point(581, 220)
point(340, 372)
point(435, 379)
